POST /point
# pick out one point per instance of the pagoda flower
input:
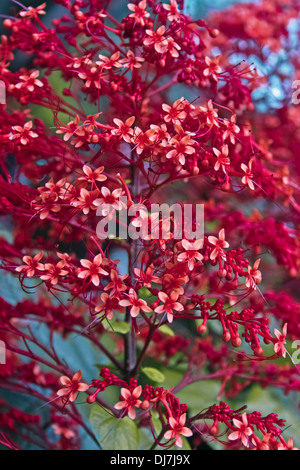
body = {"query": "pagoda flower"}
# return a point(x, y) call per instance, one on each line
point(222, 158)
point(129, 401)
point(160, 134)
point(92, 269)
point(172, 47)
point(134, 303)
point(131, 61)
point(172, 9)
point(181, 147)
point(261, 445)
point(290, 445)
point(45, 204)
point(91, 176)
point(212, 68)
point(139, 12)
point(231, 130)
point(244, 431)
point(30, 81)
point(92, 74)
point(109, 306)
point(146, 278)
point(116, 285)
point(109, 200)
point(248, 178)
point(210, 113)
point(69, 129)
point(156, 39)
point(72, 386)
point(31, 265)
point(175, 113)
point(174, 283)
point(33, 13)
point(86, 200)
point(169, 304)
point(219, 244)
point(141, 140)
point(253, 276)
point(54, 272)
point(279, 347)
point(108, 62)
point(191, 252)
point(178, 429)
point(25, 134)
point(124, 130)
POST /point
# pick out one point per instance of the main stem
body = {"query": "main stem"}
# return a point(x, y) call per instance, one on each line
point(130, 338)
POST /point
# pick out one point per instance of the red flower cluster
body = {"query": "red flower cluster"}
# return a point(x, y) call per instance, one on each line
point(180, 302)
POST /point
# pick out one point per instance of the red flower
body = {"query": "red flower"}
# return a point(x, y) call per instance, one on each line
point(130, 400)
point(72, 386)
point(177, 428)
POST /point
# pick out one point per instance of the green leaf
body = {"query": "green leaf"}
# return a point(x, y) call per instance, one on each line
point(116, 326)
point(113, 433)
point(166, 330)
point(154, 374)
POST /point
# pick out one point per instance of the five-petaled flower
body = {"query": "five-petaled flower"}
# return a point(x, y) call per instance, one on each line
point(219, 244)
point(31, 265)
point(279, 347)
point(134, 303)
point(191, 252)
point(178, 427)
point(72, 387)
point(169, 304)
point(92, 269)
point(130, 400)
point(244, 430)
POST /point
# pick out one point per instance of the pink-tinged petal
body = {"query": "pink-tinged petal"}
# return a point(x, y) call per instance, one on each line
point(277, 333)
point(64, 380)
point(62, 392)
point(172, 422)
point(77, 376)
point(163, 296)
point(120, 405)
point(182, 419)
point(125, 393)
point(73, 396)
point(98, 259)
point(95, 280)
point(186, 244)
point(244, 418)
point(82, 387)
point(186, 432)
point(134, 311)
point(125, 303)
point(85, 263)
point(237, 423)
point(234, 436)
point(245, 440)
point(168, 435)
point(170, 317)
point(213, 240)
point(131, 412)
point(137, 391)
point(145, 308)
point(160, 309)
point(105, 191)
point(178, 440)
point(178, 306)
